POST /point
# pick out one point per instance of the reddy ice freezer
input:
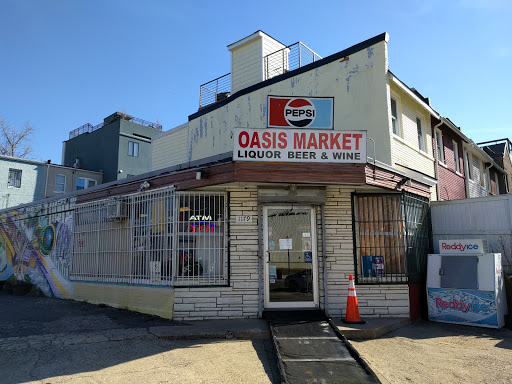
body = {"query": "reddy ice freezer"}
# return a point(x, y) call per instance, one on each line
point(465, 285)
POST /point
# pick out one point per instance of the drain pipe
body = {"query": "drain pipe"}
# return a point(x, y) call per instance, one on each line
point(487, 178)
point(261, 265)
point(438, 189)
point(326, 295)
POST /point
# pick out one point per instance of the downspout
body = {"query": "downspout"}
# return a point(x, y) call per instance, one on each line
point(46, 181)
point(374, 156)
point(324, 258)
point(436, 158)
point(488, 178)
point(260, 262)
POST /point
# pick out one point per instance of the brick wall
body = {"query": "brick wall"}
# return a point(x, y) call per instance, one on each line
point(451, 183)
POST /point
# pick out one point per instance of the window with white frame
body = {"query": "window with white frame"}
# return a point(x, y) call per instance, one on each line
point(133, 149)
point(481, 172)
point(84, 182)
point(161, 237)
point(60, 184)
point(469, 165)
point(421, 135)
point(456, 156)
point(439, 146)
point(14, 180)
point(395, 118)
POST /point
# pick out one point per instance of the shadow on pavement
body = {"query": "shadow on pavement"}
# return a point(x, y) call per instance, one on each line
point(43, 338)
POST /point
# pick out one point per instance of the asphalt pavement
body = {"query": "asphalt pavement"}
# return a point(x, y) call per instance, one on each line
point(47, 340)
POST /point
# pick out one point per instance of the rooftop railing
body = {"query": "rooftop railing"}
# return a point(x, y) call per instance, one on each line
point(288, 59)
point(215, 90)
point(83, 129)
point(87, 128)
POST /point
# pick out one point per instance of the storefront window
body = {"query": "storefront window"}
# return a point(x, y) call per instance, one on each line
point(153, 238)
point(391, 237)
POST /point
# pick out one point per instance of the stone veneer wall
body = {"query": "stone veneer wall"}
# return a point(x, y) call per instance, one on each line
point(373, 300)
point(240, 299)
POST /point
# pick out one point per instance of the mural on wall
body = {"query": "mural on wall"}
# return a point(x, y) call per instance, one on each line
point(35, 247)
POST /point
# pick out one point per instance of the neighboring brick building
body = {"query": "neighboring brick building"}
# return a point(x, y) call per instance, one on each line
point(448, 142)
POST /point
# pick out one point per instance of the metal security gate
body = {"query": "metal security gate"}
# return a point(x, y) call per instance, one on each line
point(160, 237)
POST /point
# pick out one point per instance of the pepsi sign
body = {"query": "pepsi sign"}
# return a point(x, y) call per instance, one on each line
point(300, 112)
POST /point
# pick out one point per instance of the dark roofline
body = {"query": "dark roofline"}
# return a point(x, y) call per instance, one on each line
point(329, 59)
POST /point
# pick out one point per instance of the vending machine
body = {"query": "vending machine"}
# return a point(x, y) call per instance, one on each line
point(465, 284)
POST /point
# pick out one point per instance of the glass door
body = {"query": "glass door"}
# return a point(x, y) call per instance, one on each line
point(290, 257)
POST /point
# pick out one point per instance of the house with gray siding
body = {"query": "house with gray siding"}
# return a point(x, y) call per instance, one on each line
point(119, 147)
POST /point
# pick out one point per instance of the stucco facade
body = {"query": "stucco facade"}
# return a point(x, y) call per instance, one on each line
point(29, 185)
point(120, 147)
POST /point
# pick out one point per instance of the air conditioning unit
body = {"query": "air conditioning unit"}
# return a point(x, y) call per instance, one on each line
point(116, 210)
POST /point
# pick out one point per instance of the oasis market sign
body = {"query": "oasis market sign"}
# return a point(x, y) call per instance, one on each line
point(299, 145)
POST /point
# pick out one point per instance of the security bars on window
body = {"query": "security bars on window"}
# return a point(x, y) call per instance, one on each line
point(391, 237)
point(162, 238)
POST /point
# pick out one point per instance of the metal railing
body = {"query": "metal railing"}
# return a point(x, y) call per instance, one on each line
point(288, 59)
point(160, 238)
point(215, 90)
point(83, 129)
point(91, 128)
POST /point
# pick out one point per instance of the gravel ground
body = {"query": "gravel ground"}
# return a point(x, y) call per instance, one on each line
point(428, 352)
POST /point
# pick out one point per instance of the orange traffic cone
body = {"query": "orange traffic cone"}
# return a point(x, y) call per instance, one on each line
point(352, 314)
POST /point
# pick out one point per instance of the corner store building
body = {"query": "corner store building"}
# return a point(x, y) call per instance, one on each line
point(210, 235)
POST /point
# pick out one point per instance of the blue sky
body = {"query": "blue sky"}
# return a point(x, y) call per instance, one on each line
point(64, 63)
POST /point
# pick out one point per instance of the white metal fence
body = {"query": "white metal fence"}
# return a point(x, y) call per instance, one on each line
point(160, 237)
point(488, 218)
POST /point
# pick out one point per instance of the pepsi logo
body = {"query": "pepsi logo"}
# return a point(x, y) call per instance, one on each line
point(299, 112)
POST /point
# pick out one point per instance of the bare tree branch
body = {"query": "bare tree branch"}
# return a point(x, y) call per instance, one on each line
point(13, 142)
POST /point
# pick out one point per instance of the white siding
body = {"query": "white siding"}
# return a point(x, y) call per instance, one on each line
point(246, 65)
point(278, 63)
point(405, 150)
point(169, 149)
point(474, 187)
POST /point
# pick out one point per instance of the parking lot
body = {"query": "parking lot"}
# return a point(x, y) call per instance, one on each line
point(428, 352)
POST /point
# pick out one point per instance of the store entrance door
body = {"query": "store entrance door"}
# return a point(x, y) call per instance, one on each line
point(291, 279)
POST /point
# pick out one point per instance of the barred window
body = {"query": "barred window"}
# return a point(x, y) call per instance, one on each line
point(391, 235)
point(158, 237)
point(14, 180)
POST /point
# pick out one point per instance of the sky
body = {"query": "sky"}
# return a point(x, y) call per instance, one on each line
point(64, 63)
